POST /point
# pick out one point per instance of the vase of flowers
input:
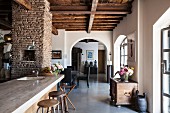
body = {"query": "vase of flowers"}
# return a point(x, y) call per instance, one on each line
point(125, 72)
point(54, 69)
point(57, 68)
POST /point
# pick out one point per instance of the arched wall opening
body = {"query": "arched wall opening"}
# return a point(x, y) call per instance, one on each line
point(162, 22)
point(117, 53)
point(90, 46)
point(71, 44)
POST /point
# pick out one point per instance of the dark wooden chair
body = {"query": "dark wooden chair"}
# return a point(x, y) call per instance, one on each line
point(84, 76)
point(67, 83)
point(71, 67)
point(68, 78)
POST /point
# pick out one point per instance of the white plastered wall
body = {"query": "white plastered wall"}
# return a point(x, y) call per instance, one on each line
point(73, 37)
point(152, 11)
point(148, 59)
point(127, 26)
point(67, 39)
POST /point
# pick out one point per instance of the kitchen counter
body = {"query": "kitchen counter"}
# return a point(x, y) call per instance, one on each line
point(16, 96)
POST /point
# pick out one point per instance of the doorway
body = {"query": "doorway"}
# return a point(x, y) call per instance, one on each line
point(101, 61)
point(165, 72)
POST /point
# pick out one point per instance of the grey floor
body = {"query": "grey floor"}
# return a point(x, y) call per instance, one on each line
point(95, 99)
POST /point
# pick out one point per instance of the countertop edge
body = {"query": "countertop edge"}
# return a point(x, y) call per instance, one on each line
point(34, 99)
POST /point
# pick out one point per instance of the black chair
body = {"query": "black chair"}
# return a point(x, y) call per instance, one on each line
point(67, 76)
point(71, 67)
point(84, 76)
point(67, 83)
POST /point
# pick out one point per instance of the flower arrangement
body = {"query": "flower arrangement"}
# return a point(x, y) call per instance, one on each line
point(55, 68)
point(125, 72)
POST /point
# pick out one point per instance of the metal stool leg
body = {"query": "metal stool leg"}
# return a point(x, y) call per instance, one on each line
point(42, 110)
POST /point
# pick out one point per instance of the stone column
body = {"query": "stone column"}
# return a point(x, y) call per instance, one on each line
point(31, 26)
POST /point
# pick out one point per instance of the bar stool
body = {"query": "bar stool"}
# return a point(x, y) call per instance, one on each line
point(48, 103)
point(62, 96)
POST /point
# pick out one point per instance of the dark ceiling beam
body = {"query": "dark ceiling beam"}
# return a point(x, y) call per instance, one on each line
point(86, 8)
point(85, 20)
point(83, 26)
point(60, 16)
point(66, 21)
point(54, 30)
point(93, 10)
point(59, 23)
point(111, 29)
point(75, 29)
point(114, 21)
point(89, 12)
point(24, 3)
point(6, 24)
point(112, 4)
point(69, 16)
point(68, 8)
point(102, 29)
point(65, 27)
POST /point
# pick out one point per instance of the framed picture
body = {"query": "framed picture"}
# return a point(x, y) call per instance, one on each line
point(56, 54)
point(89, 54)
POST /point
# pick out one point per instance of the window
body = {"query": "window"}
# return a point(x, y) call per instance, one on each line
point(123, 52)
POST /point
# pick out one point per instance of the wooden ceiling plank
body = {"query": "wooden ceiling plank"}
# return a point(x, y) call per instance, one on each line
point(24, 3)
point(54, 30)
point(68, 8)
point(80, 23)
point(89, 12)
point(86, 8)
point(55, 17)
point(70, 12)
point(65, 21)
point(93, 10)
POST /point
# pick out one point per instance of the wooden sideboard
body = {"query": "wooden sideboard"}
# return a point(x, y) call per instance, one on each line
point(122, 92)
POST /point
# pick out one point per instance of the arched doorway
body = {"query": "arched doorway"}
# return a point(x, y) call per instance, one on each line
point(90, 52)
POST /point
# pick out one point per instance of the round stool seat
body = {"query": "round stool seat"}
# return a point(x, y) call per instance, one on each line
point(56, 94)
point(48, 103)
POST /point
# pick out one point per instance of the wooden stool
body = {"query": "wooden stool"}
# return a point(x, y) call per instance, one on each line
point(62, 96)
point(48, 103)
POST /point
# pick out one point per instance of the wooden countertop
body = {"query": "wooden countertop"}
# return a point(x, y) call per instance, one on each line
point(16, 96)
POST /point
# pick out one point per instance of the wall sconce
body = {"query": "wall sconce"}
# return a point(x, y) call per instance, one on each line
point(8, 37)
point(110, 56)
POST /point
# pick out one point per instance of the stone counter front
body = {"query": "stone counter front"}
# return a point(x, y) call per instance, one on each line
point(16, 96)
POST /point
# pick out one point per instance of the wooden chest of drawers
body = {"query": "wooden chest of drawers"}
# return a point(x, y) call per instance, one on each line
point(122, 92)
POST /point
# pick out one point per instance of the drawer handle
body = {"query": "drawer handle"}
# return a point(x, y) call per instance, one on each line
point(128, 94)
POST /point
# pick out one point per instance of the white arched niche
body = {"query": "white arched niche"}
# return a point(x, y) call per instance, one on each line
point(117, 53)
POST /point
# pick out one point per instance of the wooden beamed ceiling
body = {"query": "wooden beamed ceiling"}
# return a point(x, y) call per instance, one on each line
point(89, 15)
point(76, 15)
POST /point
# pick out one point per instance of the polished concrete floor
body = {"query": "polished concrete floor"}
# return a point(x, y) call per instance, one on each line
point(95, 99)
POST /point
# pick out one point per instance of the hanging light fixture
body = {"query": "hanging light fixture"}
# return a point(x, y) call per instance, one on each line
point(8, 37)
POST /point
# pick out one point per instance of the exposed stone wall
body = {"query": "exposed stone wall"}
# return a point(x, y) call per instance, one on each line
point(28, 26)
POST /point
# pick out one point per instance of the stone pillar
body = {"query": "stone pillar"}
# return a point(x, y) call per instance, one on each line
point(31, 26)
